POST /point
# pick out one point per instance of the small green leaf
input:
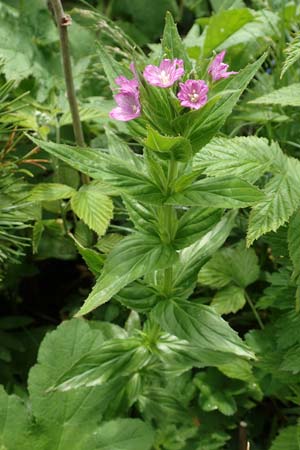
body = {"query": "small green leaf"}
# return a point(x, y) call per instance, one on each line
point(132, 258)
point(48, 192)
point(168, 147)
point(93, 207)
point(229, 300)
point(238, 265)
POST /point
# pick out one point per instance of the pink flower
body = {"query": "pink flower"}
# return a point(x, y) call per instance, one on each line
point(128, 108)
point(127, 99)
point(165, 74)
point(128, 85)
point(218, 69)
point(192, 93)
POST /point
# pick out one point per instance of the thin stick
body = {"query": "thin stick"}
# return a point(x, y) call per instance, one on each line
point(63, 21)
point(243, 442)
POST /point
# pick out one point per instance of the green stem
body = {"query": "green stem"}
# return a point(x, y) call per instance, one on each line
point(63, 21)
point(251, 304)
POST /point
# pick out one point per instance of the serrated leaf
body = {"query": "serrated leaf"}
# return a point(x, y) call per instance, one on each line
point(223, 192)
point(293, 53)
point(282, 199)
point(229, 300)
point(37, 232)
point(86, 160)
point(93, 207)
point(294, 242)
point(14, 422)
point(244, 157)
point(122, 434)
point(49, 192)
point(291, 360)
point(132, 258)
point(67, 419)
point(200, 325)
point(238, 265)
point(286, 96)
point(288, 439)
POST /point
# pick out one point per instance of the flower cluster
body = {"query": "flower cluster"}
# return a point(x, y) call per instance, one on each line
point(192, 93)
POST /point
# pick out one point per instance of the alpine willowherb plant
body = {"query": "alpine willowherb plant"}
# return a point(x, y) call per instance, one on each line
point(181, 216)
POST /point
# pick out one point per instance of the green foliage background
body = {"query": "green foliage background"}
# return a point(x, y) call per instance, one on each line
point(180, 378)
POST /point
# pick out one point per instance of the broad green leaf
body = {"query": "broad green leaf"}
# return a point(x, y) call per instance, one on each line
point(238, 265)
point(294, 242)
point(216, 32)
point(244, 157)
point(192, 258)
point(93, 207)
point(194, 224)
point(286, 96)
point(15, 422)
point(135, 256)
point(162, 405)
point(202, 125)
point(48, 192)
point(281, 200)
point(122, 434)
point(111, 66)
point(200, 325)
point(293, 53)
point(288, 439)
point(66, 419)
point(229, 300)
point(172, 45)
point(223, 192)
point(168, 147)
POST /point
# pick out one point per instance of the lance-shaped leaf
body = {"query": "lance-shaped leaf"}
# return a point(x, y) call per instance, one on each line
point(223, 192)
point(113, 359)
point(168, 147)
point(199, 325)
point(194, 224)
point(172, 45)
point(192, 258)
point(135, 256)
